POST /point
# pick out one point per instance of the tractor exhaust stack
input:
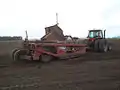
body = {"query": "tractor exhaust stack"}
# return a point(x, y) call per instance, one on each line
point(104, 33)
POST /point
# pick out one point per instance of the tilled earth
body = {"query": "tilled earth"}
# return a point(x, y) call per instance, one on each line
point(92, 71)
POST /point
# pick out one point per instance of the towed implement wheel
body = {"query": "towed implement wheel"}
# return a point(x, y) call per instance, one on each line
point(18, 53)
point(13, 51)
point(46, 58)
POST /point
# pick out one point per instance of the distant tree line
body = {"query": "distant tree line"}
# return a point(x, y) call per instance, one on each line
point(118, 37)
point(6, 38)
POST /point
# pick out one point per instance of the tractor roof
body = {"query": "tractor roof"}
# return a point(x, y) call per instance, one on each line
point(95, 30)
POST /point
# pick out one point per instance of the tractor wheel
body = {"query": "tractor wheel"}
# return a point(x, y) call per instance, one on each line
point(18, 53)
point(103, 45)
point(96, 45)
point(109, 47)
point(46, 58)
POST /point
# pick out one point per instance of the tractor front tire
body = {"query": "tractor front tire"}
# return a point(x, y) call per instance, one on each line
point(46, 58)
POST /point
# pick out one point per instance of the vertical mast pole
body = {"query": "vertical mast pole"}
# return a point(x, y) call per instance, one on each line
point(57, 18)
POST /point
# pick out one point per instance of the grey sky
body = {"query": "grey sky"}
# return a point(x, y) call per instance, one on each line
point(75, 16)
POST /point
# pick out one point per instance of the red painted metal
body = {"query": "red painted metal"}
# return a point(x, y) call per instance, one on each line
point(77, 48)
point(91, 39)
point(67, 45)
point(61, 49)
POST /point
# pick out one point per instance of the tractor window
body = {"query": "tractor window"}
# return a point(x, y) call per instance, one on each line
point(99, 34)
point(91, 34)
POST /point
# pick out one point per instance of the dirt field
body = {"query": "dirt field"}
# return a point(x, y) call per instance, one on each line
point(93, 71)
point(7, 46)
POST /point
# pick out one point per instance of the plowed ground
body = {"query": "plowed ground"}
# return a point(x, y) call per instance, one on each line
point(92, 71)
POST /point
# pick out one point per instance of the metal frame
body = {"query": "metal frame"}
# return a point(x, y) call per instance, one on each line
point(77, 49)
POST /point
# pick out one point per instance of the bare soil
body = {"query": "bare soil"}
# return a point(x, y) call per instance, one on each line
point(92, 71)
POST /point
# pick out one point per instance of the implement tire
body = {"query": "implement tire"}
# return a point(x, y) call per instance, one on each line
point(13, 51)
point(18, 53)
point(46, 58)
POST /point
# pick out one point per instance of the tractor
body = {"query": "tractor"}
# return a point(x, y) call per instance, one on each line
point(46, 51)
point(97, 41)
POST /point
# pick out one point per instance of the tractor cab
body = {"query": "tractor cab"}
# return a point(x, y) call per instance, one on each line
point(95, 34)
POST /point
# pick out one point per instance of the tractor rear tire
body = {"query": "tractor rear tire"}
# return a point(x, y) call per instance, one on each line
point(96, 45)
point(46, 58)
point(109, 47)
point(18, 53)
point(103, 45)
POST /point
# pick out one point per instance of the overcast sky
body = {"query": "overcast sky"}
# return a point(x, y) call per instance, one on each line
point(76, 17)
